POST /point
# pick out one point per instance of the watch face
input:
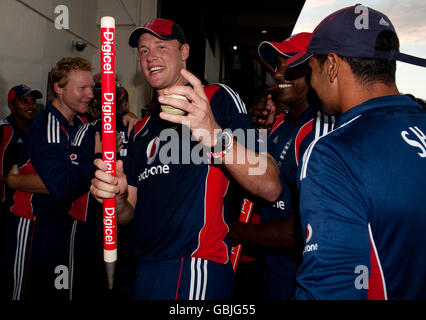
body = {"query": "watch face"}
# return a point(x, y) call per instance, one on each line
point(226, 138)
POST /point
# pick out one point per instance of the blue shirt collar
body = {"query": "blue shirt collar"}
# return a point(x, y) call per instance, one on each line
point(376, 103)
point(62, 120)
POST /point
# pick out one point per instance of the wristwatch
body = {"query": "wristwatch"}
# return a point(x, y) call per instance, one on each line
point(224, 143)
point(224, 140)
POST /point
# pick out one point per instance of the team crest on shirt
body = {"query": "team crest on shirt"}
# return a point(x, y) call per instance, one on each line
point(152, 149)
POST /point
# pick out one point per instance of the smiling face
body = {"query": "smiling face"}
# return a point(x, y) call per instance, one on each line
point(162, 60)
point(289, 92)
point(77, 93)
point(24, 108)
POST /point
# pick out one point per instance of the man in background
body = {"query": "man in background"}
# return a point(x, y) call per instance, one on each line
point(362, 185)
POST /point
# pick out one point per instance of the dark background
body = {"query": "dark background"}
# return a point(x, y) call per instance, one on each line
point(235, 23)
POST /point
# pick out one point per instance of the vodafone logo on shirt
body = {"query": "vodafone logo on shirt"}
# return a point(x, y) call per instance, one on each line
point(152, 149)
point(309, 247)
point(151, 154)
point(308, 233)
point(73, 158)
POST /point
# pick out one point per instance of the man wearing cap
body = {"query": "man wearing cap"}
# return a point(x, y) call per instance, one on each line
point(362, 185)
point(22, 104)
point(290, 135)
point(21, 101)
point(180, 207)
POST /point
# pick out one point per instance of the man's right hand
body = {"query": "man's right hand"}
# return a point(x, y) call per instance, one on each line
point(263, 112)
point(106, 186)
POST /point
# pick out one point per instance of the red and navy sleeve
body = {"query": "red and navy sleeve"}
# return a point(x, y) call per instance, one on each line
point(320, 125)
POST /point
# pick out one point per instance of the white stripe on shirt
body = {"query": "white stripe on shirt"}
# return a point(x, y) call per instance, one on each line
point(308, 152)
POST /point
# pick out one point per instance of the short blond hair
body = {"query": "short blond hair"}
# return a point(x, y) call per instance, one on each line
point(60, 72)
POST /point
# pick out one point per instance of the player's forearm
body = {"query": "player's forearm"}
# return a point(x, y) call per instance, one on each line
point(125, 209)
point(276, 234)
point(27, 182)
point(258, 173)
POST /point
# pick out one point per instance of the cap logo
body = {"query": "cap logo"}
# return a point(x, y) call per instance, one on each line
point(383, 22)
point(361, 21)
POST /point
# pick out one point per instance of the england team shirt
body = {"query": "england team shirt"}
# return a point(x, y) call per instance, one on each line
point(181, 207)
point(50, 154)
point(287, 143)
point(362, 205)
point(87, 208)
point(12, 141)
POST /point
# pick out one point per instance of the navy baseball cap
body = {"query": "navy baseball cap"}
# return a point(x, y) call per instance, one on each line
point(161, 28)
point(21, 91)
point(290, 47)
point(352, 32)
